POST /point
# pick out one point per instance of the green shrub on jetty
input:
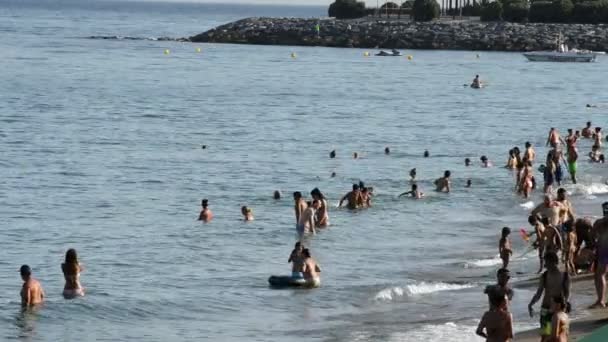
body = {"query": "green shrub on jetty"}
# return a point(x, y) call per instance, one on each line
point(425, 10)
point(347, 9)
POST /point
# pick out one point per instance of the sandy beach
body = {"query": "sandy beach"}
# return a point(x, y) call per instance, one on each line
point(579, 327)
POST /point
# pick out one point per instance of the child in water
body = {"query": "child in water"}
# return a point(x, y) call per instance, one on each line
point(504, 247)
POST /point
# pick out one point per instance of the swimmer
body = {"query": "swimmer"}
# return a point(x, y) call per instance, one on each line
point(71, 272)
point(276, 195)
point(426, 153)
point(322, 214)
point(333, 175)
point(387, 150)
point(247, 213)
point(443, 184)
point(529, 153)
point(31, 291)
point(512, 161)
point(206, 215)
point(552, 283)
point(476, 82)
point(485, 162)
point(501, 287)
point(586, 132)
point(412, 174)
point(332, 154)
point(414, 193)
point(366, 198)
point(353, 197)
point(577, 134)
point(560, 323)
point(311, 269)
point(467, 162)
point(497, 323)
point(355, 155)
point(595, 155)
point(307, 219)
point(504, 247)
point(469, 183)
point(204, 147)
point(299, 207)
point(600, 235)
point(297, 262)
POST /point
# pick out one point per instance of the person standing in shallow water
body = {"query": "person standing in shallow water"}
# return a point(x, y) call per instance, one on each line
point(443, 184)
point(206, 214)
point(353, 197)
point(322, 214)
point(496, 325)
point(31, 291)
point(71, 272)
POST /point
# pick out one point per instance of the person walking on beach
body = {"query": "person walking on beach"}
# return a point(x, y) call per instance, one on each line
point(443, 184)
point(501, 287)
point(31, 291)
point(353, 197)
point(552, 283)
point(560, 323)
point(206, 215)
point(496, 325)
point(600, 234)
point(504, 247)
point(71, 269)
point(413, 175)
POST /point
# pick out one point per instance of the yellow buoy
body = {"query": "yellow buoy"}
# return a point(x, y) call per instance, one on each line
point(293, 55)
point(198, 49)
point(366, 54)
point(167, 51)
point(410, 57)
point(477, 55)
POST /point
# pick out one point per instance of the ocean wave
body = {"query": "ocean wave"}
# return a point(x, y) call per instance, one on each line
point(447, 332)
point(135, 38)
point(496, 260)
point(528, 205)
point(417, 289)
point(589, 190)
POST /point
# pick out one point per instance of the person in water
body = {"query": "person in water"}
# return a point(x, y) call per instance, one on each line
point(311, 269)
point(355, 155)
point(512, 161)
point(554, 139)
point(413, 175)
point(566, 208)
point(426, 154)
point(276, 195)
point(332, 154)
point(485, 162)
point(247, 213)
point(526, 179)
point(504, 247)
point(549, 173)
point(469, 183)
point(206, 215)
point(600, 236)
point(476, 82)
point(586, 132)
point(529, 153)
point(387, 151)
point(31, 291)
point(552, 283)
point(322, 214)
point(501, 288)
point(467, 162)
point(414, 193)
point(299, 207)
point(560, 323)
point(353, 197)
point(496, 325)
point(297, 262)
point(539, 230)
point(71, 269)
point(549, 209)
point(443, 184)
point(572, 158)
point(597, 137)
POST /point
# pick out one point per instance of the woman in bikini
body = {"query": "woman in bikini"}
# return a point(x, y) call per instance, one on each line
point(71, 272)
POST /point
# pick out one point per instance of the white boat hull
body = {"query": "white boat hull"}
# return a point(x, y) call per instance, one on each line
point(553, 56)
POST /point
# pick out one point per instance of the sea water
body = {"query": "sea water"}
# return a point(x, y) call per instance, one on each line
point(101, 151)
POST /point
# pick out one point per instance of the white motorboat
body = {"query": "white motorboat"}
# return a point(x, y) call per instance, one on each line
point(562, 54)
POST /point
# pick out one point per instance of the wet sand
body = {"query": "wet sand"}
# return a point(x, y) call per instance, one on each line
point(579, 327)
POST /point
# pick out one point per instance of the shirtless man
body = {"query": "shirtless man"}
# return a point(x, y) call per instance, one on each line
point(501, 287)
point(353, 197)
point(322, 215)
point(412, 174)
point(553, 283)
point(554, 139)
point(566, 211)
point(553, 237)
point(540, 242)
point(549, 209)
point(526, 179)
point(299, 205)
point(572, 159)
point(414, 193)
point(307, 219)
point(31, 291)
point(586, 132)
point(570, 138)
point(206, 215)
point(496, 325)
point(311, 270)
point(443, 183)
point(600, 234)
point(529, 153)
point(297, 263)
point(597, 137)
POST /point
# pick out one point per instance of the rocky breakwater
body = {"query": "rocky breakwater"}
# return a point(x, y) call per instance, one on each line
point(452, 35)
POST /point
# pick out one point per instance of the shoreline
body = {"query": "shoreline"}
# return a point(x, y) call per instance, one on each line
point(405, 34)
point(579, 327)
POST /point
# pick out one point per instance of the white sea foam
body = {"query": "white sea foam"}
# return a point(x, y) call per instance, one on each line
point(418, 289)
point(589, 190)
point(447, 332)
point(528, 205)
point(496, 260)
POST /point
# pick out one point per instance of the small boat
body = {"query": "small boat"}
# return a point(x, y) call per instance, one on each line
point(562, 54)
point(393, 53)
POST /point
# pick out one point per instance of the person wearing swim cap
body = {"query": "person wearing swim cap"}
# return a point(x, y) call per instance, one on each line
point(600, 234)
point(353, 197)
point(476, 82)
point(247, 213)
point(206, 215)
point(311, 269)
point(332, 154)
point(31, 291)
point(443, 184)
point(552, 283)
